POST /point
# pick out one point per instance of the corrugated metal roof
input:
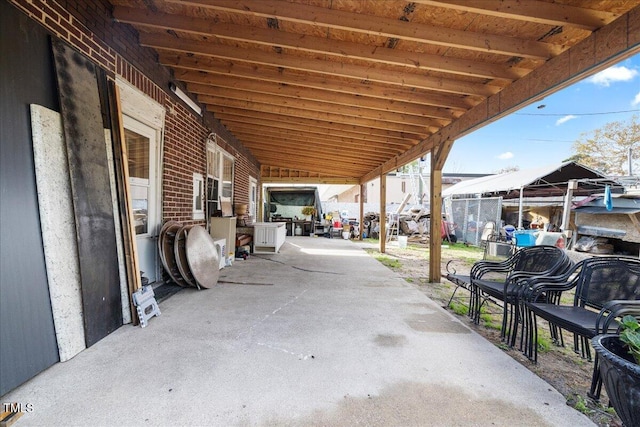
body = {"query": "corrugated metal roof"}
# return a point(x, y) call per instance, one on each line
point(543, 181)
point(603, 210)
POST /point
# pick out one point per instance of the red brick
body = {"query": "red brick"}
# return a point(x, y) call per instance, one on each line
point(32, 10)
point(56, 28)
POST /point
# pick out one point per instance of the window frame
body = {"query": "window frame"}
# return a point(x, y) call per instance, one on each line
point(216, 184)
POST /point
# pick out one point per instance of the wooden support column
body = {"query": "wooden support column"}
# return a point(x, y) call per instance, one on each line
point(260, 208)
point(361, 199)
point(383, 213)
point(438, 158)
point(435, 234)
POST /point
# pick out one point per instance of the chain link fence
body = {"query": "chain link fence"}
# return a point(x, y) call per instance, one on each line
point(469, 216)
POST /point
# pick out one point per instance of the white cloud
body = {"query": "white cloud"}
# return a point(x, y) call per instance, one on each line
point(636, 100)
point(565, 119)
point(612, 75)
point(506, 156)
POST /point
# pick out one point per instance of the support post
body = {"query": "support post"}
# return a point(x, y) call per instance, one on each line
point(435, 233)
point(260, 208)
point(520, 208)
point(566, 210)
point(438, 158)
point(361, 199)
point(383, 213)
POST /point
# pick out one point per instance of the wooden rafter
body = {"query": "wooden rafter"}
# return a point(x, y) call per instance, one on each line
point(382, 26)
point(268, 37)
point(330, 68)
point(205, 71)
point(351, 89)
point(531, 11)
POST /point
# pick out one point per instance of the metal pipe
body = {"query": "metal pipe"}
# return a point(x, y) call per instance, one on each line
point(520, 208)
point(566, 213)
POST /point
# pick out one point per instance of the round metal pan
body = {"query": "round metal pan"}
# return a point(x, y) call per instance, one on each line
point(202, 257)
point(168, 257)
point(181, 255)
point(163, 230)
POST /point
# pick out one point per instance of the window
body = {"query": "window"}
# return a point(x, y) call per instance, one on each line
point(140, 178)
point(253, 198)
point(227, 176)
point(220, 173)
point(198, 196)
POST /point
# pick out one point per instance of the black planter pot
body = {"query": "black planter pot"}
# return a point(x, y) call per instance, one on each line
point(620, 376)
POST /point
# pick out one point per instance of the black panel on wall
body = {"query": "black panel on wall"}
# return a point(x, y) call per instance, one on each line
point(27, 335)
point(83, 123)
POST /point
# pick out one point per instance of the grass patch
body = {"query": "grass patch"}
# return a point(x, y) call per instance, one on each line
point(491, 325)
point(581, 405)
point(459, 309)
point(392, 263)
point(461, 247)
point(544, 345)
point(468, 260)
point(488, 319)
point(409, 279)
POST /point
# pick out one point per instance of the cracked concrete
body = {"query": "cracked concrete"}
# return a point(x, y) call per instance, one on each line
point(335, 339)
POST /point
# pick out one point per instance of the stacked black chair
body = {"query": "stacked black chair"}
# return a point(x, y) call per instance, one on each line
point(605, 288)
point(504, 281)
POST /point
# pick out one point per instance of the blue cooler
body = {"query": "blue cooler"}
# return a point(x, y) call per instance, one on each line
point(525, 237)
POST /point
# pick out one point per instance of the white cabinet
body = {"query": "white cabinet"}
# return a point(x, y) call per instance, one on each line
point(268, 237)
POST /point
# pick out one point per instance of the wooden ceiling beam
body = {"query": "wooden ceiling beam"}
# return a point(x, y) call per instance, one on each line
point(353, 108)
point(271, 137)
point(324, 116)
point(339, 169)
point(312, 129)
point(342, 49)
point(312, 152)
point(382, 147)
point(393, 136)
point(207, 70)
point(345, 111)
point(317, 154)
point(270, 93)
point(531, 11)
point(309, 180)
point(591, 55)
point(316, 66)
point(385, 27)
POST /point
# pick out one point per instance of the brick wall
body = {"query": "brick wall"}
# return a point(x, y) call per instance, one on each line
point(88, 26)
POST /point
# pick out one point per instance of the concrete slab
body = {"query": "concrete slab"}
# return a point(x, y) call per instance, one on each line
point(319, 334)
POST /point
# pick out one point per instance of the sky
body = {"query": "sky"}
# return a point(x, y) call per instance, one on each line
point(534, 137)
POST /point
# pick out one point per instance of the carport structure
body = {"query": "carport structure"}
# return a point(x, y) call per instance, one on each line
point(303, 91)
point(327, 91)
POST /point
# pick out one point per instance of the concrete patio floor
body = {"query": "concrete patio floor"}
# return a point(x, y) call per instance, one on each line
point(319, 334)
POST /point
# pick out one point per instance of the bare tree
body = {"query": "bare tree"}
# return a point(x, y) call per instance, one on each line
point(508, 169)
point(607, 149)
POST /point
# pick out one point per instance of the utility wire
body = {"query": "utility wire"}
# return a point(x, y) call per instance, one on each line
point(576, 114)
point(545, 140)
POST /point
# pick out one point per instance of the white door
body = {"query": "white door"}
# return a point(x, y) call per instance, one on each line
point(142, 156)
